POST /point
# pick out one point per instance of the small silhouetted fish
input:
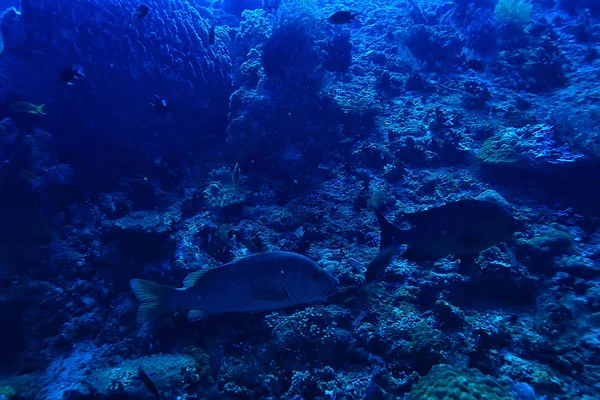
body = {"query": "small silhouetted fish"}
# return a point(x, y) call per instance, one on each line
point(148, 382)
point(261, 282)
point(342, 17)
point(462, 228)
point(160, 105)
point(379, 264)
point(70, 75)
point(235, 176)
point(211, 35)
point(141, 11)
point(474, 64)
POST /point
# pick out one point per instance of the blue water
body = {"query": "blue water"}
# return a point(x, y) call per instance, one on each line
point(152, 145)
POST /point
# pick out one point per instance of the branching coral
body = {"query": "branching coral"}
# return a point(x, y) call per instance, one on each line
point(513, 11)
point(290, 55)
point(438, 46)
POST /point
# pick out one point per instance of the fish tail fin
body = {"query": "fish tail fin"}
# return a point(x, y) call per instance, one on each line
point(155, 299)
point(40, 109)
point(391, 235)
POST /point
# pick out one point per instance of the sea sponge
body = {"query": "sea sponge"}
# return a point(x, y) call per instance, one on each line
point(540, 251)
point(448, 383)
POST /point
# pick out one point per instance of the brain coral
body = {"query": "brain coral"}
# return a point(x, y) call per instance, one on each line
point(170, 44)
point(126, 61)
point(532, 147)
point(449, 383)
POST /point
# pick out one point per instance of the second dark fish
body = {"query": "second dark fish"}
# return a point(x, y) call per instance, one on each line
point(463, 228)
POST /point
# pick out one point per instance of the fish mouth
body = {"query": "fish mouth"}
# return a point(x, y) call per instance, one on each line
point(328, 293)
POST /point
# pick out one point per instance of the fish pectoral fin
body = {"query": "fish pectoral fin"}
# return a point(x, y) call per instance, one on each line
point(272, 294)
point(196, 315)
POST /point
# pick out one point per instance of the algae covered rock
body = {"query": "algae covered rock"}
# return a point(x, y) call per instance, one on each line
point(549, 243)
point(18, 387)
point(533, 147)
point(554, 240)
point(446, 382)
point(492, 195)
point(140, 235)
point(167, 371)
point(148, 222)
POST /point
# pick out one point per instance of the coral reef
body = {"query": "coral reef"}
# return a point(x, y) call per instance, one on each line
point(207, 131)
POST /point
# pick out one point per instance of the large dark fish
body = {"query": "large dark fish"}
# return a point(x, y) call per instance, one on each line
point(463, 228)
point(266, 281)
point(342, 17)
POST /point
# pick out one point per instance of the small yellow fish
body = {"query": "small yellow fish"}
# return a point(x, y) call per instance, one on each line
point(25, 107)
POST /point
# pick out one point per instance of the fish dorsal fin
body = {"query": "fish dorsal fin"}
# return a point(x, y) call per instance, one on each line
point(192, 278)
